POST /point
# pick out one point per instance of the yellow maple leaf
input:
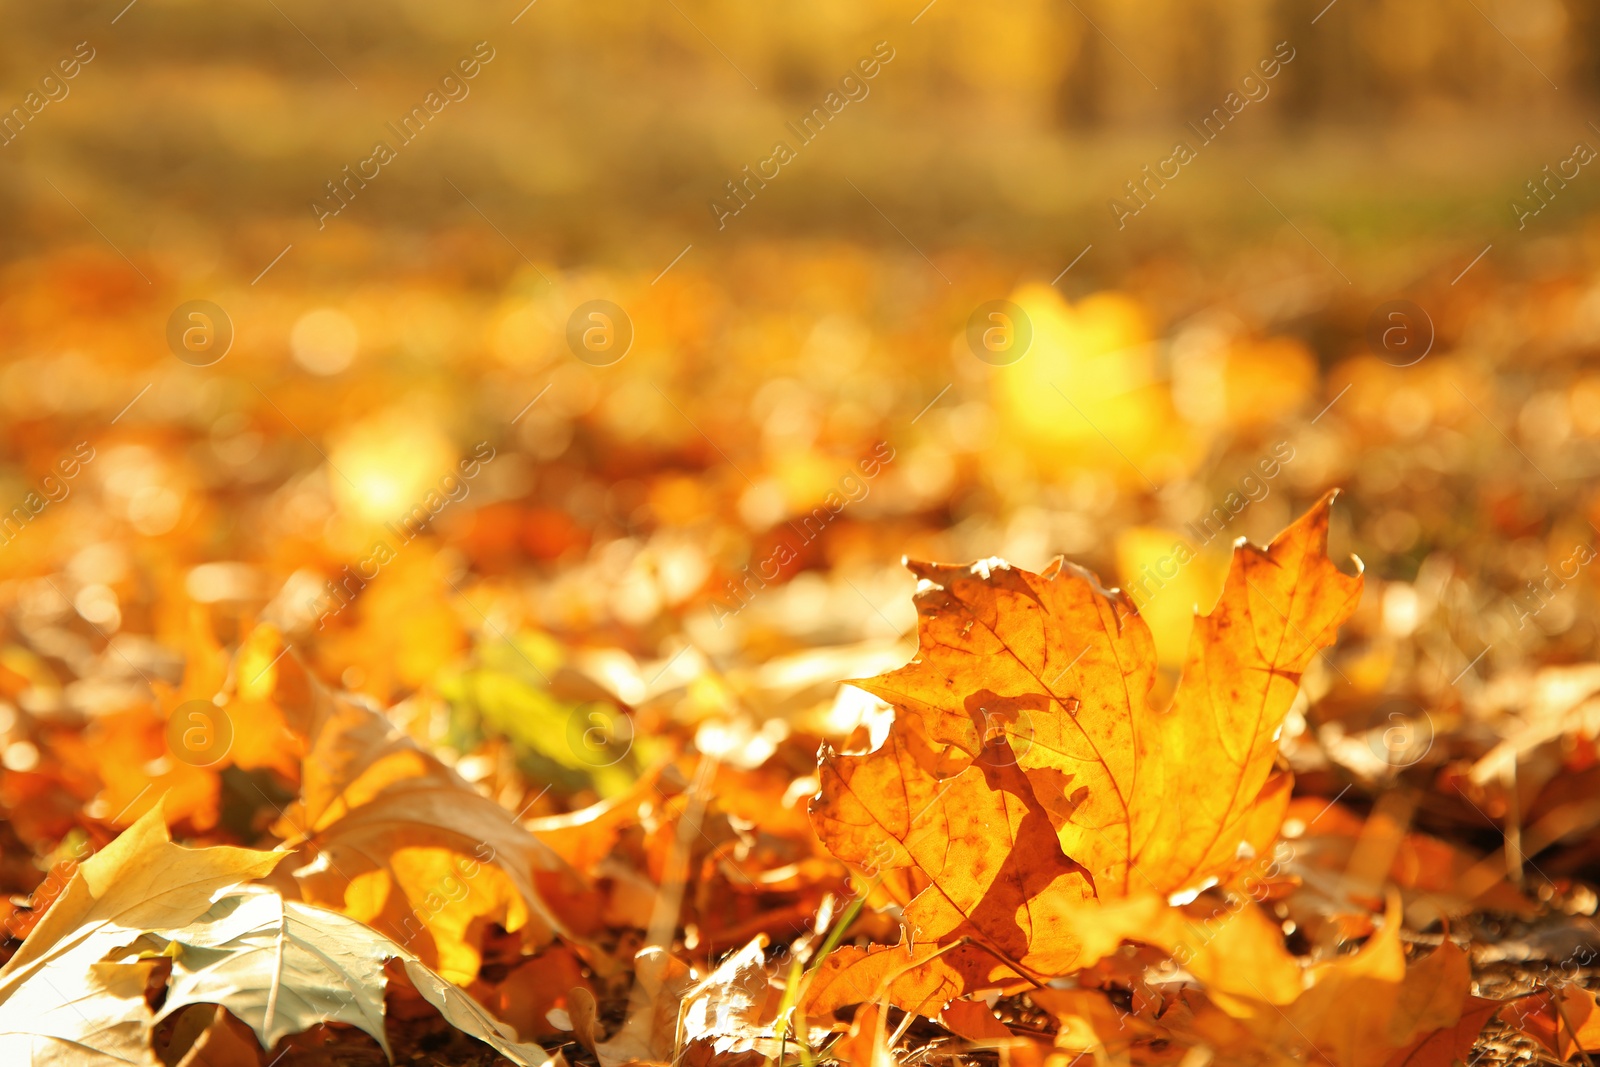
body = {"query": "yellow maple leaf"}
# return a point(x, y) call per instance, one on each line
point(1146, 799)
point(1027, 780)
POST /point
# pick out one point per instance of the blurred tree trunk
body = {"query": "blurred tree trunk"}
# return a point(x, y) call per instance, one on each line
point(1583, 42)
point(1079, 102)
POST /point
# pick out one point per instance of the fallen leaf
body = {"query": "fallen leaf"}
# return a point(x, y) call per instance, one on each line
point(1087, 1021)
point(733, 1007)
point(586, 836)
point(1235, 952)
point(991, 867)
point(1564, 1020)
point(280, 966)
point(651, 1031)
point(1433, 995)
point(527, 995)
point(176, 751)
point(104, 1020)
point(468, 1016)
point(584, 1016)
point(1146, 800)
point(283, 967)
point(974, 1021)
point(1353, 1003)
point(1435, 873)
point(978, 840)
point(1448, 1045)
point(225, 1042)
point(1353, 1011)
point(140, 879)
point(389, 835)
point(1024, 743)
point(919, 980)
point(865, 1045)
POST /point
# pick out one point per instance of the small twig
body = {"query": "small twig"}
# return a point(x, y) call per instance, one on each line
point(1007, 960)
point(1513, 825)
point(899, 1031)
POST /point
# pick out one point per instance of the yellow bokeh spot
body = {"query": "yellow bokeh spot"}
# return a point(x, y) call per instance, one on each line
point(1168, 581)
point(1087, 393)
point(385, 465)
point(258, 663)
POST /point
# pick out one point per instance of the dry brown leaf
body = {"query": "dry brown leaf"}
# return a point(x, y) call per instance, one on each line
point(1448, 1045)
point(586, 836)
point(974, 1021)
point(1564, 1020)
point(1435, 991)
point(731, 1010)
point(651, 1032)
point(866, 1044)
point(584, 1016)
point(225, 1042)
point(535, 987)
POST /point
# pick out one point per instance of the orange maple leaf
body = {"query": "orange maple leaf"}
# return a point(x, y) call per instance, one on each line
point(1146, 799)
point(1027, 774)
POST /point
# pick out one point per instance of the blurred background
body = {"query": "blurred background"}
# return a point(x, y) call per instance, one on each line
point(598, 135)
point(1247, 251)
